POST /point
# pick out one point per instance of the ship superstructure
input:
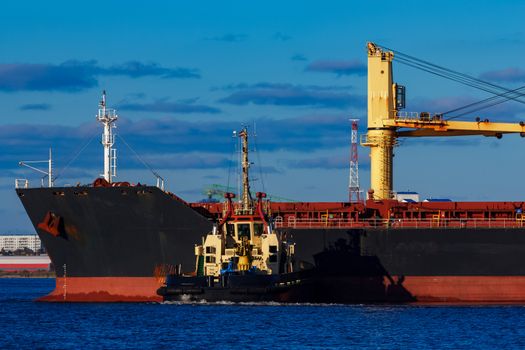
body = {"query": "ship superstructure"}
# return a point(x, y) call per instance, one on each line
point(244, 238)
point(242, 258)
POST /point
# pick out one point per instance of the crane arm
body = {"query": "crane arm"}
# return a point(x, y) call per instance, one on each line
point(452, 128)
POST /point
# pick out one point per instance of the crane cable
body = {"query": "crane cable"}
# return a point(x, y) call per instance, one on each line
point(446, 72)
point(139, 158)
point(506, 95)
point(465, 79)
point(494, 100)
point(61, 171)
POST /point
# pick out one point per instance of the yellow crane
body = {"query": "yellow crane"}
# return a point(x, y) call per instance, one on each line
point(385, 98)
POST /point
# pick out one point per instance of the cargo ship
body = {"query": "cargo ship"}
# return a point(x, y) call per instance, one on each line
point(113, 241)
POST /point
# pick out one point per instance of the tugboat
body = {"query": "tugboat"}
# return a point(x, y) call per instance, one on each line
point(242, 259)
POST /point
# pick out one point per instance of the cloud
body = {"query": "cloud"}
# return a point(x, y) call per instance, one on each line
point(35, 107)
point(281, 36)
point(299, 57)
point(319, 162)
point(135, 69)
point(168, 142)
point(330, 162)
point(72, 175)
point(339, 68)
point(230, 38)
point(507, 111)
point(135, 96)
point(73, 76)
point(185, 107)
point(187, 161)
point(68, 76)
point(293, 95)
point(511, 75)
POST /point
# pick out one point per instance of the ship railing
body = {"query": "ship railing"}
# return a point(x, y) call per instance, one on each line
point(441, 223)
point(418, 117)
point(160, 182)
point(21, 183)
point(406, 115)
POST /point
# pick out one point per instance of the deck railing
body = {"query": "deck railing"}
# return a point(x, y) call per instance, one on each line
point(21, 183)
point(441, 223)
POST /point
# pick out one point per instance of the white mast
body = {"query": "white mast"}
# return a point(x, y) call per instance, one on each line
point(108, 117)
point(50, 169)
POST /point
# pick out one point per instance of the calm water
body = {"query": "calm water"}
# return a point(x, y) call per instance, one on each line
point(27, 324)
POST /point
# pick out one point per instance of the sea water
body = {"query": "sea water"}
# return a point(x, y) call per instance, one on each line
point(27, 324)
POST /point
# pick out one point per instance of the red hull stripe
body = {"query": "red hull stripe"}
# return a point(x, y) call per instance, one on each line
point(466, 288)
point(25, 266)
point(448, 289)
point(105, 289)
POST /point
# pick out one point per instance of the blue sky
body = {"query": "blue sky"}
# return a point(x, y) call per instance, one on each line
point(183, 75)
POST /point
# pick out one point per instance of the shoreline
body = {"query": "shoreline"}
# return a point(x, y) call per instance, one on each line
point(27, 274)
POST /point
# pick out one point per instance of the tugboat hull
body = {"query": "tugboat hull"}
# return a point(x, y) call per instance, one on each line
point(284, 288)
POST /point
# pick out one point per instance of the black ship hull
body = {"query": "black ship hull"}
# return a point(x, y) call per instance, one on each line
point(416, 265)
point(396, 266)
point(118, 243)
point(105, 238)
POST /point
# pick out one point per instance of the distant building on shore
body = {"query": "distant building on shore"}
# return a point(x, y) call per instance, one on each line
point(21, 253)
point(13, 243)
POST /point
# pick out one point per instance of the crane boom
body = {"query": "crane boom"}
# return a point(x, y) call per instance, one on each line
point(386, 125)
point(453, 128)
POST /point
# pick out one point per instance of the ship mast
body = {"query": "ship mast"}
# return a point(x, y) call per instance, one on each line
point(108, 117)
point(246, 196)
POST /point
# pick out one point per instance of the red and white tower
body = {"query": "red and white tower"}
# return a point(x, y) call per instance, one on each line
point(353, 182)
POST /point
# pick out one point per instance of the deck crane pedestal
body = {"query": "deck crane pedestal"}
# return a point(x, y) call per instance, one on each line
point(385, 99)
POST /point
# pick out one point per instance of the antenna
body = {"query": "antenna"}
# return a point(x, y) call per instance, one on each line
point(108, 117)
point(48, 173)
point(353, 181)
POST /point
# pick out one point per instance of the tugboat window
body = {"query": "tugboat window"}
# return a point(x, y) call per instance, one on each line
point(243, 230)
point(258, 229)
point(229, 229)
